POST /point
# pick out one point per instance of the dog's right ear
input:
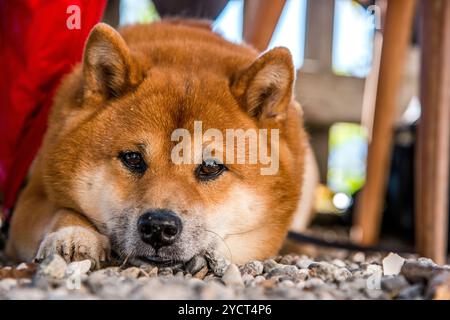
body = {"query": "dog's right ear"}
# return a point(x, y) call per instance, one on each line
point(264, 89)
point(109, 69)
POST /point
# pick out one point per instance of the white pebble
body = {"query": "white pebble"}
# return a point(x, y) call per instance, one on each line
point(232, 276)
point(392, 264)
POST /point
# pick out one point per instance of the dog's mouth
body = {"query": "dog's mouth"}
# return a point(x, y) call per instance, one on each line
point(160, 261)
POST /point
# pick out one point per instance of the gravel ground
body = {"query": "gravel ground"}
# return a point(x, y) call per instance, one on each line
point(350, 276)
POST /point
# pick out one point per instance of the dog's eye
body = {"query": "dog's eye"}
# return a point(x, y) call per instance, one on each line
point(209, 169)
point(133, 161)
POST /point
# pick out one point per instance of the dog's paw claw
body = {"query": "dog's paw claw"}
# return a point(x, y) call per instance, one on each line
point(75, 244)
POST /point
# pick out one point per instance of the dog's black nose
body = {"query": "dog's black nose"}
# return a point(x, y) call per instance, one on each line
point(159, 227)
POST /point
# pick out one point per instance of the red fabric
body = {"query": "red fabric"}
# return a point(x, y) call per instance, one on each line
point(36, 50)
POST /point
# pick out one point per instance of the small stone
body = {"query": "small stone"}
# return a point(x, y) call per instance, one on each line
point(373, 269)
point(22, 266)
point(426, 262)
point(146, 268)
point(375, 258)
point(353, 266)
point(195, 264)
point(359, 257)
point(302, 275)
point(393, 285)
point(165, 272)
point(217, 264)
point(108, 272)
point(253, 268)
point(284, 270)
point(368, 270)
point(232, 276)
point(99, 277)
point(269, 264)
point(280, 278)
point(322, 270)
point(132, 272)
point(247, 278)
point(259, 279)
point(53, 266)
point(392, 264)
point(339, 263)
point(278, 258)
point(303, 263)
point(287, 260)
point(342, 274)
point(412, 293)
point(201, 273)
point(415, 271)
point(153, 272)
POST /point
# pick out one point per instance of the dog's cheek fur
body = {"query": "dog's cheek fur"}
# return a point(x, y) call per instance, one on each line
point(244, 225)
point(106, 203)
point(99, 197)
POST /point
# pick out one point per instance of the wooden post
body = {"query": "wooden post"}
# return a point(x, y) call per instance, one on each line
point(432, 157)
point(319, 36)
point(111, 15)
point(260, 19)
point(398, 27)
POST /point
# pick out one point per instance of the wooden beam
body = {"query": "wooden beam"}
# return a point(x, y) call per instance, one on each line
point(398, 27)
point(260, 19)
point(432, 156)
point(319, 37)
point(371, 86)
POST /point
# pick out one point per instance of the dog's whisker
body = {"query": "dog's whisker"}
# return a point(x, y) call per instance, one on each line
point(244, 232)
point(223, 240)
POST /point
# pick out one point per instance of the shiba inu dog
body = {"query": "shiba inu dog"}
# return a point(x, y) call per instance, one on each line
point(105, 180)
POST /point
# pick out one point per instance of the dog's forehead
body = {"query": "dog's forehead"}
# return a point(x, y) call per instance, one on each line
point(168, 103)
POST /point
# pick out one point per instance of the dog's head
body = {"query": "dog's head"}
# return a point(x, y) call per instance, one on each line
point(135, 117)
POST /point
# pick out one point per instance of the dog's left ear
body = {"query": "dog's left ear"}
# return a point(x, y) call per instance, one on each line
point(264, 89)
point(109, 69)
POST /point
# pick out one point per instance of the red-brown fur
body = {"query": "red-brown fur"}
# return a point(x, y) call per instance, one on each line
point(136, 90)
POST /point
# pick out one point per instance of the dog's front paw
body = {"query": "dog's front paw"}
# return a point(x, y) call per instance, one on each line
point(75, 244)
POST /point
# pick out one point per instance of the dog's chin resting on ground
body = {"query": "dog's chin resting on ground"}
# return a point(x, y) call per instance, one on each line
point(104, 179)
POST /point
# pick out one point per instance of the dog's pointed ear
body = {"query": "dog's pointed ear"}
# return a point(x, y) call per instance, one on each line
point(264, 89)
point(109, 69)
